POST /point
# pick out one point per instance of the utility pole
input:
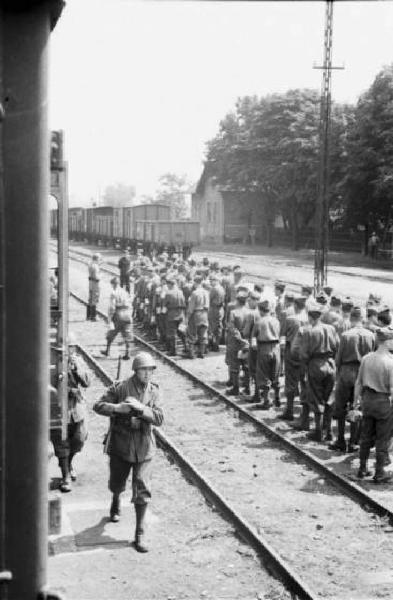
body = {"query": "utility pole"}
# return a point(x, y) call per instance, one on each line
point(322, 209)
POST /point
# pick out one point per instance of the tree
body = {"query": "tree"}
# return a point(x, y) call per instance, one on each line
point(119, 194)
point(172, 190)
point(368, 185)
point(271, 145)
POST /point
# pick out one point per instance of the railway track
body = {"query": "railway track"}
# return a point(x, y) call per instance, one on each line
point(271, 468)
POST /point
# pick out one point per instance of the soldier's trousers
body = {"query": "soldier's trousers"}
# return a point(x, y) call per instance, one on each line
point(268, 365)
point(294, 377)
point(320, 383)
point(119, 470)
point(123, 327)
point(94, 293)
point(377, 421)
point(345, 386)
point(215, 323)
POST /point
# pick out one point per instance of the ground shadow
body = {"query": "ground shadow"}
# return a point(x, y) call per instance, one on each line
point(94, 537)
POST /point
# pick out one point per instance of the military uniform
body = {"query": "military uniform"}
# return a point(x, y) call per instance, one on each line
point(266, 333)
point(94, 289)
point(355, 343)
point(216, 314)
point(119, 315)
point(374, 389)
point(294, 370)
point(235, 342)
point(198, 323)
point(318, 347)
point(124, 268)
point(173, 306)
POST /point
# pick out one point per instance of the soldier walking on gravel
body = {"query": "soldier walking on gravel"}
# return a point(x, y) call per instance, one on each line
point(198, 323)
point(94, 287)
point(119, 318)
point(266, 337)
point(134, 407)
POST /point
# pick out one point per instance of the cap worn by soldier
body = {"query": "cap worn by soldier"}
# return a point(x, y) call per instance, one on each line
point(264, 305)
point(198, 279)
point(335, 301)
point(205, 261)
point(321, 298)
point(300, 301)
point(213, 277)
point(290, 296)
point(306, 289)
point(384, 334)
point(279, 285)
point(114, 280)
point(215, 266)
point(143, 360)
point(347, 304)
point(255, 295)
point(327, 289)
point(315, 310)
point(242, 293)
point(383, 309)
point(371, 310)
point(259, 287)
point(96, 256)
point(170, 279)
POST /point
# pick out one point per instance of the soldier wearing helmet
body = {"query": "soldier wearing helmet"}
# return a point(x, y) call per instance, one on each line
point(94, 287)
point(134, 407)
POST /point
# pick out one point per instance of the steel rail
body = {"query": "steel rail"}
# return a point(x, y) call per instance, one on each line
point(272, 561)
point(353, 491)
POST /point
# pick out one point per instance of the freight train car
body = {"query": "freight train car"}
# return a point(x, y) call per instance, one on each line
point(142, 212)
point(99, 225)
point(171, 236)
point(77, 223)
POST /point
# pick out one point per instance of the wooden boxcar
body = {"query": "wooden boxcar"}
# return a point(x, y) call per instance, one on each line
point(172, 236)
point(99, 225)
point(77, 223)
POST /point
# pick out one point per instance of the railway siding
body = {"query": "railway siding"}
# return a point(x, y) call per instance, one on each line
point(316, 529)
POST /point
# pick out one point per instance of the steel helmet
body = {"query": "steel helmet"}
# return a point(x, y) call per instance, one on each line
point(143, 360)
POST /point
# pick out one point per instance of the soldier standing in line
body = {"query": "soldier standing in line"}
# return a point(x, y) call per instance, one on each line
point(266, 337)
point(355, 343)
point(294, 373)
point(251, 318)
point(198, 324)
point(318, 347)
point(373, 394)
point(124, 268)
point(119, 318)
point(216, 311)
point(94, 287)
point(235, 283)
point(65, 450)
point(345, 322)
point(235, 340)
point(174, 306)
point(371, 322)
point(133, 406)
point(333, 314)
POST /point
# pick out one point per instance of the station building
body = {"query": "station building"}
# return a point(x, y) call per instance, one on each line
point(226, 215)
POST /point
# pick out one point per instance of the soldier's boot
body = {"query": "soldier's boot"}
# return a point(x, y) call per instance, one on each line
point(246, 383)
point(277, 401)
point(381, 476)
point(107, 351)
point(265, 400)
point(257, 394)
point(139, 542)
point(127, 354)
point(190, 351)
point(287, 415)
point(114, 511)
point(354, 435)
point(363, 468)
point(93, 314)
point(172, 348)
point(316, 435)
point(327, 423)
point(65, 484)
point(71, 468)
point(229, 382)
point(88, 312)
point(234, 390)
point(202, 350)
point(340, 443)
point(304, 423)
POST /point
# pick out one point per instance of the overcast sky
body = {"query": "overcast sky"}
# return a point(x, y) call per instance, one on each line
point(139, 87)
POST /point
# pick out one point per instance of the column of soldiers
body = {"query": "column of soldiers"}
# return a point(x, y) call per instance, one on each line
point(317, 343)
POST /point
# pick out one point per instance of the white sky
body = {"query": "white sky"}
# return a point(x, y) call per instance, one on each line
point(139, 87)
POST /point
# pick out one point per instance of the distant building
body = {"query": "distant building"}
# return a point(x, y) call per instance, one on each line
point(226, 215)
